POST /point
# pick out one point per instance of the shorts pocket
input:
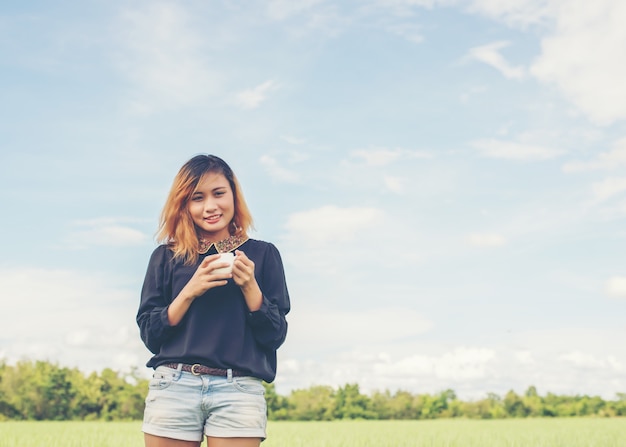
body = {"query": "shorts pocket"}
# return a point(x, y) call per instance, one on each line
point(160, 381)
point(249, 385)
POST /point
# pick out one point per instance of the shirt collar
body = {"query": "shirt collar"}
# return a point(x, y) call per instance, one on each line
point(223, 246)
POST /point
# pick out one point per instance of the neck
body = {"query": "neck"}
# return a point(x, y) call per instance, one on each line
point(211, 238)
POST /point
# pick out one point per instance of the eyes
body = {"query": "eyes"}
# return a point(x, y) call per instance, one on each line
point(199, 196)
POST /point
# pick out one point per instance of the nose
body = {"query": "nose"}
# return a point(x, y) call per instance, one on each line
point(209, 206)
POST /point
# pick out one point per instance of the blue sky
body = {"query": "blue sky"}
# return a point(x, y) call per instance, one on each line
point(444, 179)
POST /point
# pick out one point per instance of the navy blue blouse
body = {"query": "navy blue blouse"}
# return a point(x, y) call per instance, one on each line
point(218, 330)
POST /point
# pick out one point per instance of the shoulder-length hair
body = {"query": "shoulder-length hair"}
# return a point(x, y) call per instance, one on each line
point(176, 226)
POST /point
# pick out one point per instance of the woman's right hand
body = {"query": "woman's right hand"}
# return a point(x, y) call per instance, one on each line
point(204, 279)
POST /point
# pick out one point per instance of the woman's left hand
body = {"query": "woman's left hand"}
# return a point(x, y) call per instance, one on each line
point(243, 276)
point(243, 270)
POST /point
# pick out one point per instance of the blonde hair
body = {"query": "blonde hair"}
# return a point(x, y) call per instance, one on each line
point(176, 227)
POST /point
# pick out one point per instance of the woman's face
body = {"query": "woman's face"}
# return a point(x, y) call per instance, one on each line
point(212, 207)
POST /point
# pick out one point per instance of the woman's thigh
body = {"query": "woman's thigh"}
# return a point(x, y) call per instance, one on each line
point(157, 441)
point(232, 442)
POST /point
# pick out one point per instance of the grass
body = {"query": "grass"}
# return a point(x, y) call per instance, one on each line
point(451, 433)
point(71, 434)
point(437, 433)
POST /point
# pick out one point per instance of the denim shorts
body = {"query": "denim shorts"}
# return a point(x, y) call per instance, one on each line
point(181, 405)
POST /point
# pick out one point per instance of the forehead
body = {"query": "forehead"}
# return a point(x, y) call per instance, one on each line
point(212, 180)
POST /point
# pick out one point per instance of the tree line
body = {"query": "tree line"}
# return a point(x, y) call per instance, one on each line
point(40, 390)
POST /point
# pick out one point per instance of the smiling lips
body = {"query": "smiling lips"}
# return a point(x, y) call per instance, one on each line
point(213, 219)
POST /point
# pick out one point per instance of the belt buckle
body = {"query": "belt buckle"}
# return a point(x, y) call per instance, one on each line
point(193, 369)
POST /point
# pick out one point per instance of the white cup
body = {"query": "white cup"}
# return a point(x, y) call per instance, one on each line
point(225, 257)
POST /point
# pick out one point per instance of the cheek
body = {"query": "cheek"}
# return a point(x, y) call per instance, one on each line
point(194, 208)
point(229, 204)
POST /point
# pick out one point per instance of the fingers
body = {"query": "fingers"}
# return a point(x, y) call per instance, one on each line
point(206, 277)
point(206, 261)
point(243, 260)
point(218, 267)
point(217, 283)
point(210, 275)
point(213, 265)
point(243, 269)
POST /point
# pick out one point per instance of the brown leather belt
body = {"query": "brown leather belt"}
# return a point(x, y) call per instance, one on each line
point(197, 370)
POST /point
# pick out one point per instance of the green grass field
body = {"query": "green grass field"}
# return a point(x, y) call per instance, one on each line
point(437, 433)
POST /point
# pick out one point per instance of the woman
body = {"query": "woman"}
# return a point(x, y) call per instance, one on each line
point(214, 334)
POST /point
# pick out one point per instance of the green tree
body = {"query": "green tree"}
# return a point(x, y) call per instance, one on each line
point(7, 408)
point(313, 404)
point(40, 390)
point(489, 408)
point(277, 405)
point(380, 404)
point(57, 393)
point(514, 405)
point(532, 402)
point(403, 405)
point(351, 404)
point(620, 404)
point(439, 404)
point(120, 399)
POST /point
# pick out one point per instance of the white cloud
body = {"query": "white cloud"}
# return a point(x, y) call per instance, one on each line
point(525, 357)
point(252, 98)
point(616, 287)
point(347, 252)
point(490, 55)
point(515, 151)
point(408, 31)
point(519, 13)
point(613, 159)
point(461, 363)
point(105, 231)
point(402, 7)
point(277, 172)
point(582, 360)
point(384, 156)
point(583, 57)
point(613, 363)
point(354, 327)
point(486, 240)
point(283, 9)
point(70, 317)
point(473, 91)
point(292, 140)
point(79, 337)
point(319, 242)
point(567, 361)
point(330, 223)
point(162, 55)
point(394, 184)
point(376, 370)
point(609, 188)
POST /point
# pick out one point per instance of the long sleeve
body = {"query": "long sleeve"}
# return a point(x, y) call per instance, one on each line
point(269, 324)
point(156, 295)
